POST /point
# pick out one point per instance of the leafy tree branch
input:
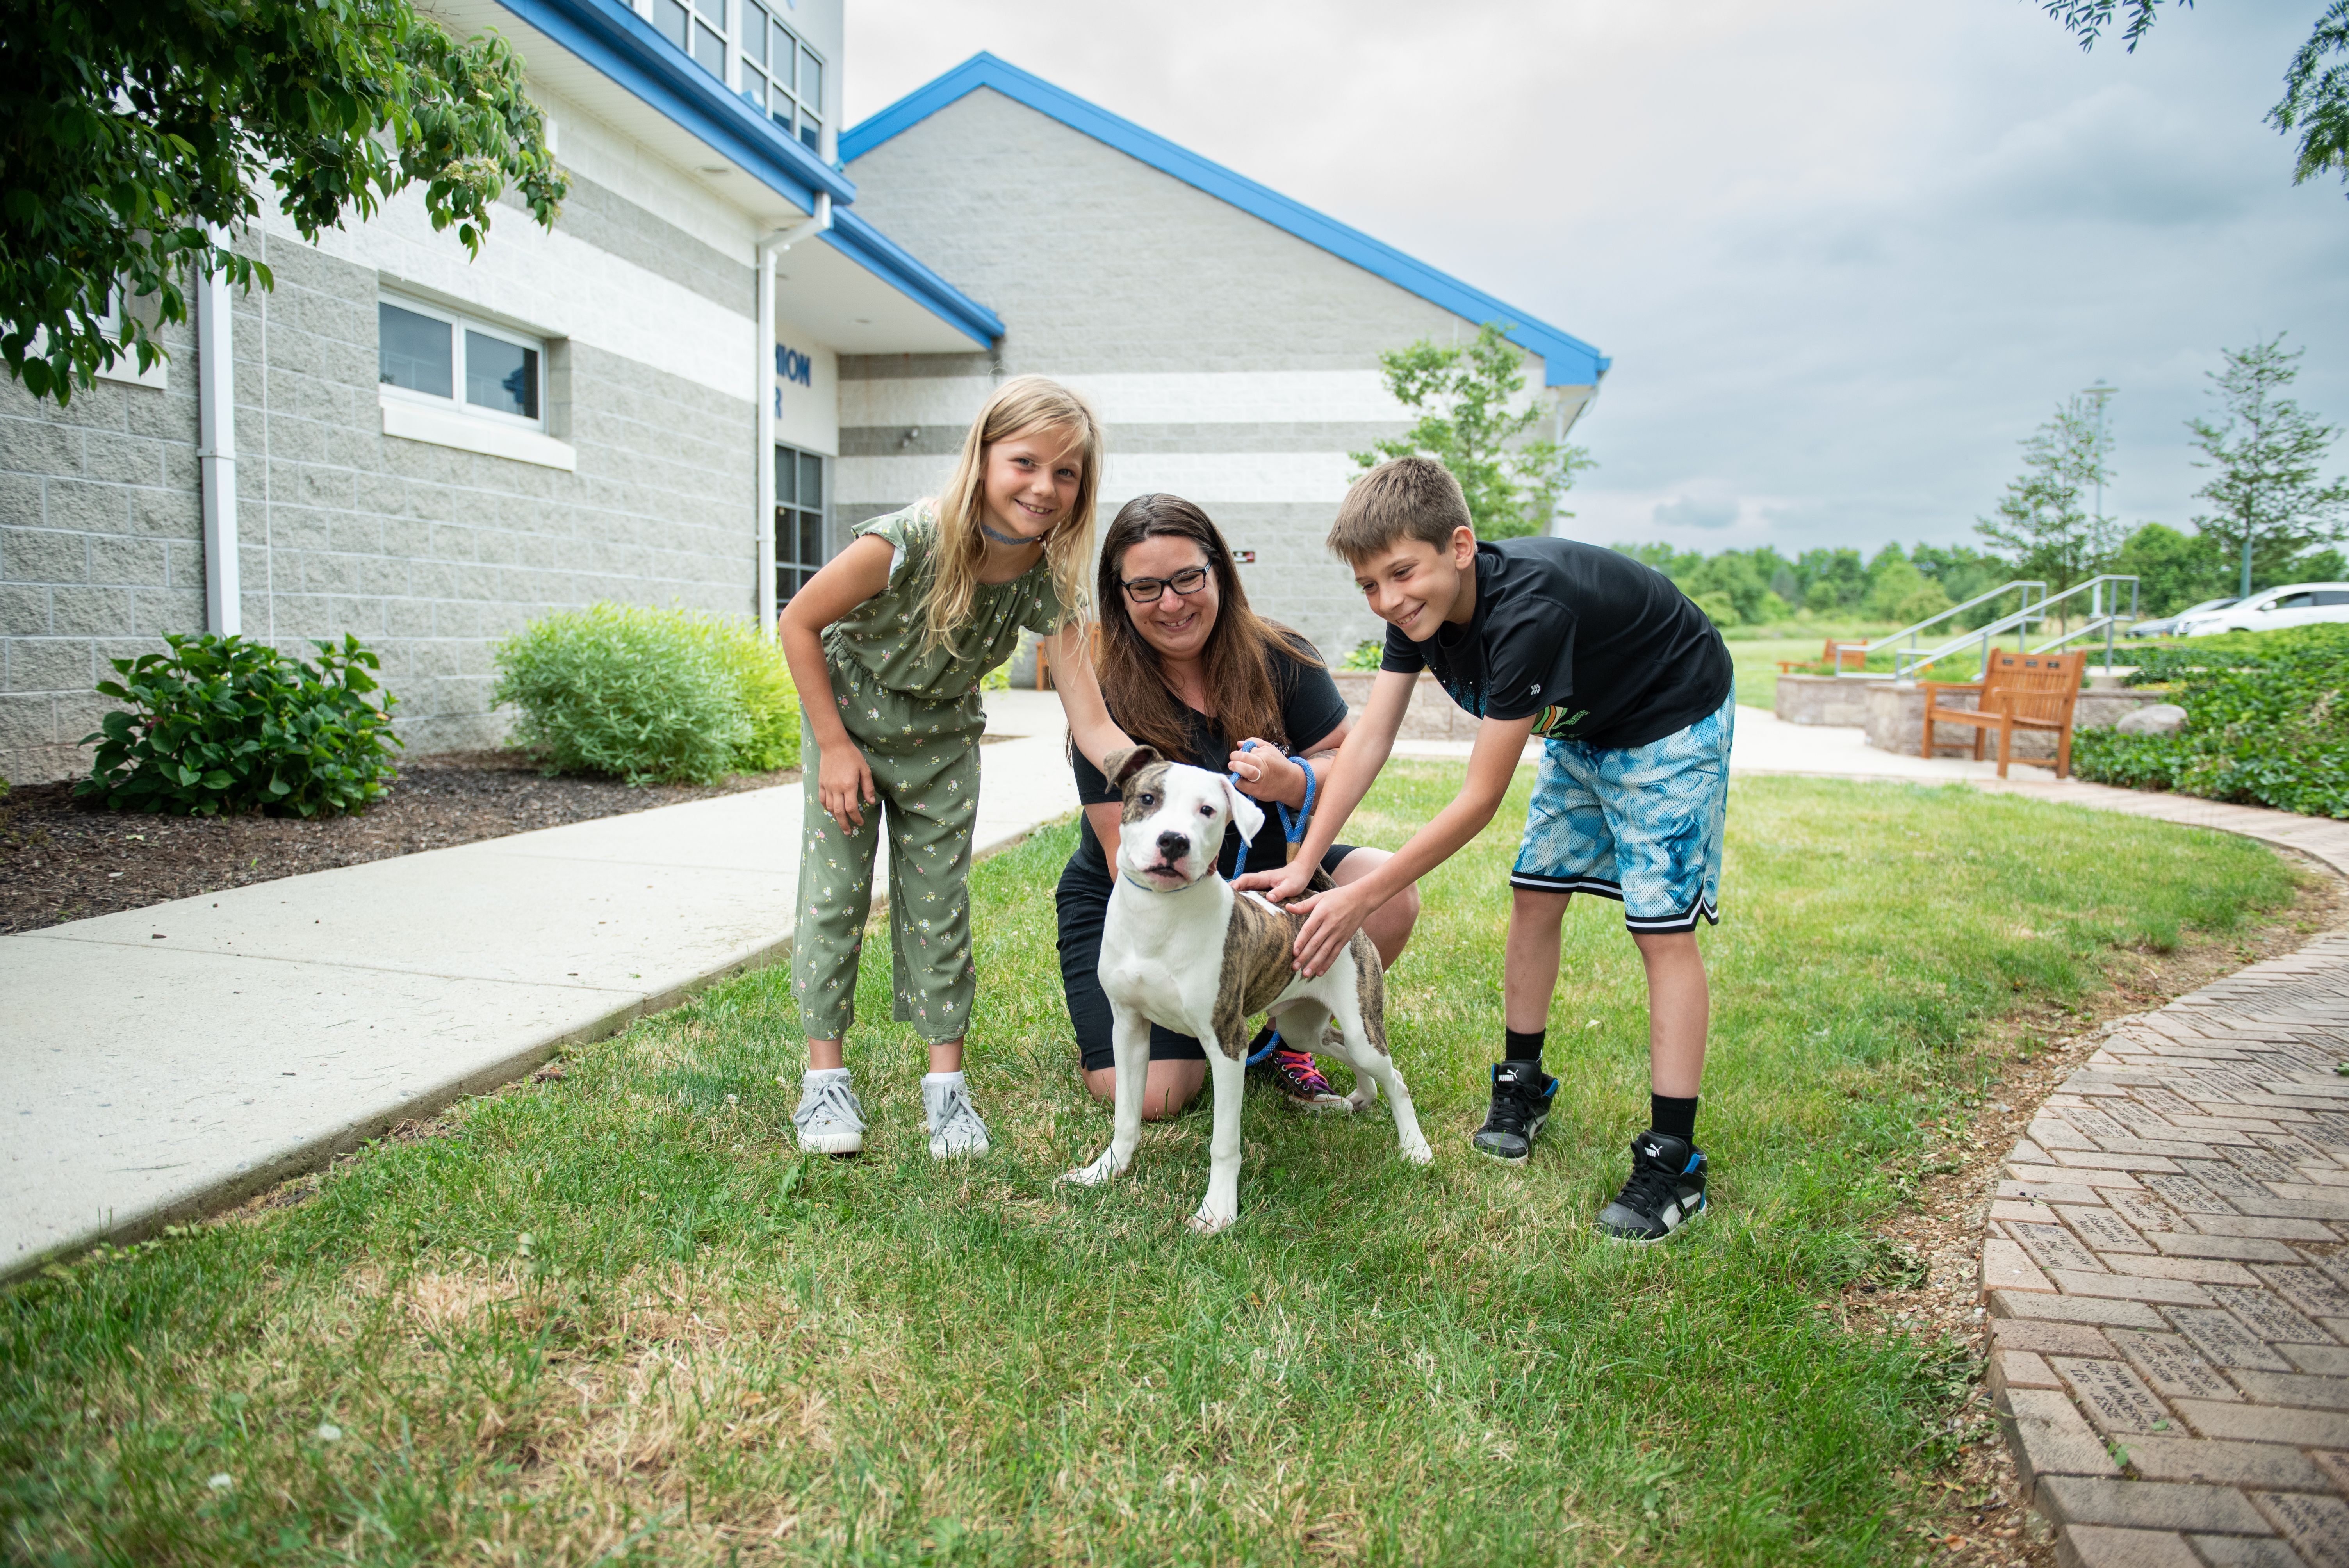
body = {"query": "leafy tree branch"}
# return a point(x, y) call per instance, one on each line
point(135, 138)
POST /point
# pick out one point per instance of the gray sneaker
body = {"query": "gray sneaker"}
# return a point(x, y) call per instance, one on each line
point(829, 1119)
point(955, 1128)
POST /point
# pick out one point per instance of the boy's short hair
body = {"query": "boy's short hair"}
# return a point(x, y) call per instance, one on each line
point(1402, 498)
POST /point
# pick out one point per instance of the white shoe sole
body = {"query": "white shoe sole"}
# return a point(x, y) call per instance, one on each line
point(940, 1151)
point(831, 1143)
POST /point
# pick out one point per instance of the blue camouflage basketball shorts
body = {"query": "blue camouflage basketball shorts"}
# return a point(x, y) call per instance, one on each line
point(1641, 824)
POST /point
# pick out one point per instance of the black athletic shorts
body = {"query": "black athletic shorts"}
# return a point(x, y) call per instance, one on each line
point(1083, 899)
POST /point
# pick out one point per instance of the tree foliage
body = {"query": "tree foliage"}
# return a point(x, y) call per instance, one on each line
point(1471, 422)
point(2264, 490)
point(135, 137)
point(2315, 99)
point(2041, 522)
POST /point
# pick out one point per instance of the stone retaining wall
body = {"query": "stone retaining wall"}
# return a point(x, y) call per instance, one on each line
point(1433, 715)
point(1896, 721)
point(1825, 700)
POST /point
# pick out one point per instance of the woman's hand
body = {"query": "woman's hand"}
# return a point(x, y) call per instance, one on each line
point(1288, 882)
point(1266, 774)
point(844, 783)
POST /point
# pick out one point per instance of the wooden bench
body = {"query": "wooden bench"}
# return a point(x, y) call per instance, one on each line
point(1826, 659)
point(1043, 659)
point(2018, 691)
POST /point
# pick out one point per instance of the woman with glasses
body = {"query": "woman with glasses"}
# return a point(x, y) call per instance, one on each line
point(1186, 667)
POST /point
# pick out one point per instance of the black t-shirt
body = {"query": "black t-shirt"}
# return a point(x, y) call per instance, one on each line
point(1310, 708)
point(1604, 650)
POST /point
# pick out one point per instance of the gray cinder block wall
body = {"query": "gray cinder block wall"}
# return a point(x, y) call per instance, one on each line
point(429, 553)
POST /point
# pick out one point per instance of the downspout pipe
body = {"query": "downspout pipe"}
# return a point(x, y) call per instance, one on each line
point(769, 400)
point(216, 451)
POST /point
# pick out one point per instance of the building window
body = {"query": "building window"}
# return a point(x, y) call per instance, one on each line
point(782, 74)
point(698, 28)
point(798, 519)
point(429, 355)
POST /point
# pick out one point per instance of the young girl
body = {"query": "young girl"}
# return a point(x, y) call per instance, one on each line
point(887, 644)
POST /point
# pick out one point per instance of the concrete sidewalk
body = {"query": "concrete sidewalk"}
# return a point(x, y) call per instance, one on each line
point(164, 1062)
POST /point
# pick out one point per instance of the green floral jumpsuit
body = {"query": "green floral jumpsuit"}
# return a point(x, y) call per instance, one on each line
point(914, 712)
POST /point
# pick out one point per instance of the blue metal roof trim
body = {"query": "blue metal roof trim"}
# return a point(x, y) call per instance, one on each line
point(614, 40)
point(881, 256)
point(1568, 361)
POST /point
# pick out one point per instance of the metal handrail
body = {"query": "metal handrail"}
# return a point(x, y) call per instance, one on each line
point(2104, 611)
point(2024, 584)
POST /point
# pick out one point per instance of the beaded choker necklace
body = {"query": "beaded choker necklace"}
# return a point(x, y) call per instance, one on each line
point(1014, 540)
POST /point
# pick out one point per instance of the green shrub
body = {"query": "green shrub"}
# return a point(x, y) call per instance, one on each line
point(220, 725)
point(648, 696)
point(2267, 722)
point(1364, 655)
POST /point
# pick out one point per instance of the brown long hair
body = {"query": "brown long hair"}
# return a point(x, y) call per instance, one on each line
point(1237, 659)
point(1021, 405)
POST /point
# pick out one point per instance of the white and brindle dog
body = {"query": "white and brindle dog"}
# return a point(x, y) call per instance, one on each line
point(1180, 949)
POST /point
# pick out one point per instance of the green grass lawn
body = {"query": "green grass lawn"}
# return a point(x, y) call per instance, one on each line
point(616, 1318)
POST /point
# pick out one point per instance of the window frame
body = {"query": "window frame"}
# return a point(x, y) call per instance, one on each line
point(792, 561)
point(805, 118)
point(459, 325)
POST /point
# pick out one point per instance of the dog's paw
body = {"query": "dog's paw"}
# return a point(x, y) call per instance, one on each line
point(1091, 1175)
point(1208, 1222)
point(1415, 1151)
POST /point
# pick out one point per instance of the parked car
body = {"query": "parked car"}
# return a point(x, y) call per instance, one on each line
point(2293, 604)
point(2168, 625)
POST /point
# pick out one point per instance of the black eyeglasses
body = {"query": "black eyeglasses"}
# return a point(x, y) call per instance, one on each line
point(1146, 590)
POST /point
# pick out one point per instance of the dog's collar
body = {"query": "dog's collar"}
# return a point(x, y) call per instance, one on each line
point(1127, 876)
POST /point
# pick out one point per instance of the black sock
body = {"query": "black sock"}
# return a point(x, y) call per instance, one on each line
point(1673, 1117)
point(1521, 1046)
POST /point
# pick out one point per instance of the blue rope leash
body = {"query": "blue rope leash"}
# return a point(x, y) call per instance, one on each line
point(1292, 828)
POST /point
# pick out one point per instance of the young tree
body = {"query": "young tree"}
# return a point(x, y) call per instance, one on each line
point(2268, 504)
point(2173, 570)
point(2041, 523)
point(2315, 99)
point(135, 135)
point(1470, 422)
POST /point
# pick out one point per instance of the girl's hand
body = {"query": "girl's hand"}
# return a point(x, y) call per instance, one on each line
point(1332, 918)
point(844, 783)
point(1288, 882)
point(1266, 774)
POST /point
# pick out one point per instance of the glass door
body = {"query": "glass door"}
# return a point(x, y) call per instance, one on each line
point(798, 519)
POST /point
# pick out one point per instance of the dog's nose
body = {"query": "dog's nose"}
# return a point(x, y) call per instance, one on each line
point(1173, 846)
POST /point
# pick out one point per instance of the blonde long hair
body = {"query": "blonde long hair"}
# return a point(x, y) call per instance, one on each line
point(1021, 405)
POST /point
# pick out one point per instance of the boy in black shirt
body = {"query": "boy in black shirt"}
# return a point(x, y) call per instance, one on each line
point(1629, 686)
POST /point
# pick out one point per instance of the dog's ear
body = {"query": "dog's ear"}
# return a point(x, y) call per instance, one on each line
point(1247, 815)
point(1125, 762)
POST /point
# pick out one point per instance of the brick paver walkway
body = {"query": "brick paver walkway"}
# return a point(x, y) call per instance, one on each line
point(2168, 1282)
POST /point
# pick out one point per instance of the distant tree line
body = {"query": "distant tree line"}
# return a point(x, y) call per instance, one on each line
point(1760, 586)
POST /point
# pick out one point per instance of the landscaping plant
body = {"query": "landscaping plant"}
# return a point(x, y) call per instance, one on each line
point(220, 725)
point(2267, 723)
point(648, 696)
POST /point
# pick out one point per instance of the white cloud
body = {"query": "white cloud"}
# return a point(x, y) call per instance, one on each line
point(1845, 255)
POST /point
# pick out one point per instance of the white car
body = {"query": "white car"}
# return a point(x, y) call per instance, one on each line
point(2293, 604)
point(2168, 625)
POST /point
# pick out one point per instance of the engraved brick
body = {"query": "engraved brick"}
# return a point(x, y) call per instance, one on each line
point(2203, 1270)
point(2299, 1389)
point(2053, 1247)
point(2104, 1230)
point(2299, 1204)
point(2005, 1267)
point(2245, 1552)
point(2078, 1500)
point(2186, 1194)
point(2336, 1468)
point(2045, 1177)
point(2047, 1338)
point(2139, 1119)
point(2281, 1230)
point(2264, 1164)
point(2072, 1309)
point(2016, 1211)
point(2222, 1338)
point(2056, 1136)
point(2292, 1150)
point(2134, 1287)
point(2051, 1192)
point(2144, 1211)
point(2309, 1289)
point(2266, 1423)
point(2094, 1123)
point(2183, 1246)
point(2169, 1365)
point(2050, 1438)
point(2318, 1526)
point(2162, 1101)
point(2161, 1458)
point(2097, 1160)
point(2114, 1398)
point(2326, 1360)
point(2269, 1318)
point(2227, 1182)
point(2101, 1546)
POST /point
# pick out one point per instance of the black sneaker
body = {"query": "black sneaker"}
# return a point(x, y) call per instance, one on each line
point(1521, 1096)
point(1666, 1190)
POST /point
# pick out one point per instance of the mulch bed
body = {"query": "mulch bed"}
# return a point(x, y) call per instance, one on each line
point(61, 860)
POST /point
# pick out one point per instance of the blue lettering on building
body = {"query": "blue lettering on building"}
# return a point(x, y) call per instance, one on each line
point(790, 364)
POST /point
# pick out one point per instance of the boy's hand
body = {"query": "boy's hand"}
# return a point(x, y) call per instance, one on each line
point(1289, 881)
point(1332, 918)
point(845, 784)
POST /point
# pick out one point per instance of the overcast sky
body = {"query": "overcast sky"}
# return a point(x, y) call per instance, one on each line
point(1844, 254)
